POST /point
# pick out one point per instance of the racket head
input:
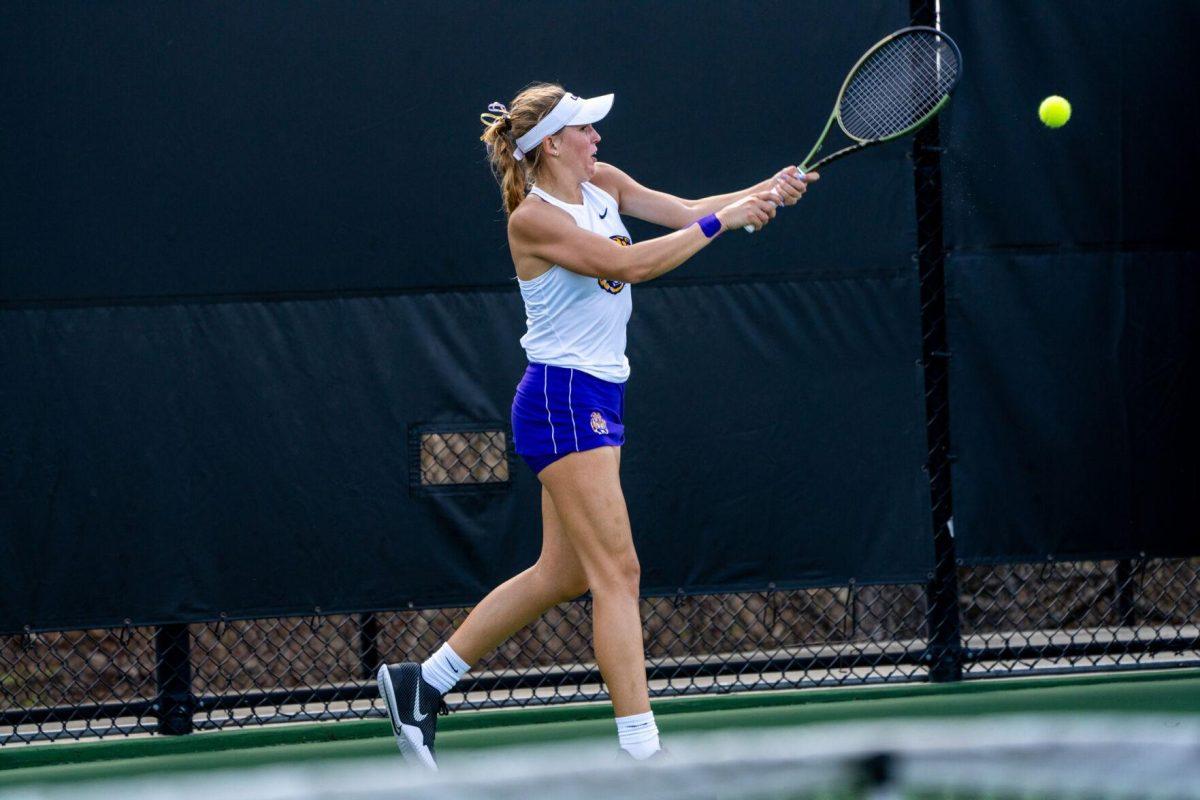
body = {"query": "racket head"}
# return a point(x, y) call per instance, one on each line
point(898, 85)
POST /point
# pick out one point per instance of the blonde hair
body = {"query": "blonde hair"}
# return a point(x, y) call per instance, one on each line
point(502, 131)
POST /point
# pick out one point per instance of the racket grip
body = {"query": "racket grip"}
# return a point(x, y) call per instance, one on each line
point(800, 173)
point(751, 228)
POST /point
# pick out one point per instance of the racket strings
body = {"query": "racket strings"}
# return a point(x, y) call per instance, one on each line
point(897, 86)
point(892, 89)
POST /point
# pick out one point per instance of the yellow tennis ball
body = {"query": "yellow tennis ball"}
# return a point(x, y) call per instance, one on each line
point(1054, 111)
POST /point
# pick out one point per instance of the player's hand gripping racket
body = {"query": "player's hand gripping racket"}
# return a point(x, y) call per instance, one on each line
point(898, 86)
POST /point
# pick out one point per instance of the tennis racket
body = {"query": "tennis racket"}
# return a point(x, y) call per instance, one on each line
point(897, 87)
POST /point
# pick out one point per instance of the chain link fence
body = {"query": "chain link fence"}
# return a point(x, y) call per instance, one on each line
point(964, 622)
point(1014, 620)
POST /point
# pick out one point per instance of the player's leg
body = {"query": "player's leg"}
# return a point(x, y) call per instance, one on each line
point(413, 692)
point(557, 577)
point(586, 489)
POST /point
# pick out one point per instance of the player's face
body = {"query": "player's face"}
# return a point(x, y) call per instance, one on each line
point(577, 147)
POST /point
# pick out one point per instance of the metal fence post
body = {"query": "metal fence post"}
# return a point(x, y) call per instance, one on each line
point(175, 702)
point(368, 646)
point(1126, 605)
point(945, 651)
point(945, 654)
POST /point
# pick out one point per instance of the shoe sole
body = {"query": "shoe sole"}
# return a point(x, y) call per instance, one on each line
point(409, 738)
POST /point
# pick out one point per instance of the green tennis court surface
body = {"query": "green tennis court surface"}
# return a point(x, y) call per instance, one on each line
point(1174, 693)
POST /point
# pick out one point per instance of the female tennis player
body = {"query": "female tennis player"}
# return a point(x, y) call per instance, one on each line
point(576, 265)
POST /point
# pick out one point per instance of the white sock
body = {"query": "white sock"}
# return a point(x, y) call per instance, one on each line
point(638, 735)
point(443, 669)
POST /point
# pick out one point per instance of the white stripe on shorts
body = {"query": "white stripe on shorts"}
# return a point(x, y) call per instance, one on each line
point(546, 394)
point(572, 410)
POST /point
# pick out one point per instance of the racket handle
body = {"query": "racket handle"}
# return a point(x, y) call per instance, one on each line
point(751, 228)
point(800, 172)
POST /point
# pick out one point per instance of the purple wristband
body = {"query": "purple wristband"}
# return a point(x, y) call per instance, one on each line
point(710, 225)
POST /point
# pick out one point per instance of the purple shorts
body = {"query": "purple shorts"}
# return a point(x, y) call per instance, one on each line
point(561, 410)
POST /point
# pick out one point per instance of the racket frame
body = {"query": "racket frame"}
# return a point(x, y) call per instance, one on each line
point(861, 143)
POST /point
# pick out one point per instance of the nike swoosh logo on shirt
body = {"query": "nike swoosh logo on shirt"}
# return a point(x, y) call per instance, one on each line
point(605, 214)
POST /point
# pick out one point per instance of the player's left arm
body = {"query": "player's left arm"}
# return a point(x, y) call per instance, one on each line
point(670, 211)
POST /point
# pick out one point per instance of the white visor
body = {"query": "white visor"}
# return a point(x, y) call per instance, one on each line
point(571, 110)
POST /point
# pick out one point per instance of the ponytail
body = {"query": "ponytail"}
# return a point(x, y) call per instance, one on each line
point(501, 131)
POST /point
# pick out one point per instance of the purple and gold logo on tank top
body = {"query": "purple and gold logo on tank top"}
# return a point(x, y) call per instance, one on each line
point(610, 286)
point(599, 426)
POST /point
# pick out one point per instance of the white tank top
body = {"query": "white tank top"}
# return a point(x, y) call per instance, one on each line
point(573, 320)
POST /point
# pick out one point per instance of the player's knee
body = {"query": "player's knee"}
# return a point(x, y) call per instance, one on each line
point(618, 573)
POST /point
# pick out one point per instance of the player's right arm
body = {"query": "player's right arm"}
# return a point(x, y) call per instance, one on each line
point(543, 233)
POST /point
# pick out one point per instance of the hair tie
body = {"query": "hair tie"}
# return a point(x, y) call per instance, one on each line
point(498, 116)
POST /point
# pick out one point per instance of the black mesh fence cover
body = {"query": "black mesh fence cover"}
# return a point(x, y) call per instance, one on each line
point(1073, 282)
point(230, 345)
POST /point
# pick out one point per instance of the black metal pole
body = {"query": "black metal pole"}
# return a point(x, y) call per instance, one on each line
point(175, 703)
point(1126, 607)
point(945, 650)
point(368, 645)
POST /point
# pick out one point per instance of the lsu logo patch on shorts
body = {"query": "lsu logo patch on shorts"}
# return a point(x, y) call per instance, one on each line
point(610, 286)
point(599, 426)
